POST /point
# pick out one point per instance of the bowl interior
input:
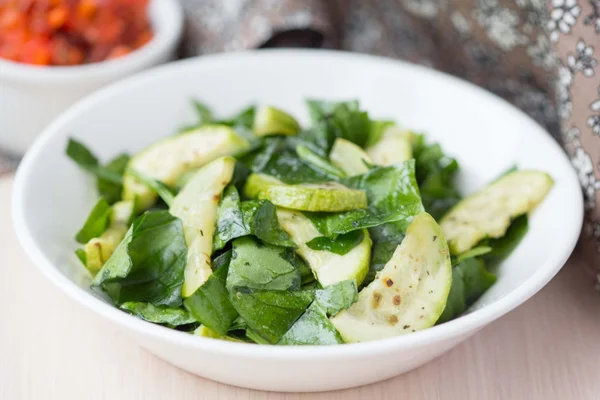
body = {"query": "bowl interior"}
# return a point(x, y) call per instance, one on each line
point(484, 133)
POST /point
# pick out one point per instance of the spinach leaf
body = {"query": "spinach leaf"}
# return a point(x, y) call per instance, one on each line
point(210, 304)
point(96, 222)
point(269, 314)
point(392, 194)
point(386, 238)
point(158, 314)
point(109, 190)
point(82, 256)
point(148, 264)
point(221, 260)
point(287, 167)
point(435, 174)
point(244, 118)
point(502, 247)
point(109, 178)
point(338, 119)
point(319, 163)
point(340, 245)
point(205, 115)
point(376, 130)
point(312, 328)
point(255, 217)
point(261, 266)
point(474, 252)
point(470, 279)
point(337, 297)
point(163, 191)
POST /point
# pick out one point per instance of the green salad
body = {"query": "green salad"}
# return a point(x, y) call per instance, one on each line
point(256, 229)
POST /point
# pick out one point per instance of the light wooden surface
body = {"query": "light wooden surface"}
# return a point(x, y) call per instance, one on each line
point(52, 348)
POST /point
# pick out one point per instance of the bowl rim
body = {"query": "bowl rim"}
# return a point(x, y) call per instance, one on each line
point(464, 325)
point(167, 21)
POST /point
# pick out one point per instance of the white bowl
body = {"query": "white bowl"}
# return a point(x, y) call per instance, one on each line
point(52, 196)
point(32, 96)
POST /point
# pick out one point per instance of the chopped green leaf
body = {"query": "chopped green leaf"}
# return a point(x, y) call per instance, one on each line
point(80, 253)
point(86, 160)
point(96, 222)
point(312, 328)
point(392, 194)
point(341, 245)
point(435, 174)
point(319, 163)
point(376, 130)
point(148, 264)
point(205, 115)
point(337, 297)
point(342, 119)
point(474, 252)
point(470, 280)
point(270, 314)
point(163, 191)
point(158, 314)
point(244, 118)
point(261, 266)
point(210, 304)
point(107, 189)
point(502, 247)
point(255, 217)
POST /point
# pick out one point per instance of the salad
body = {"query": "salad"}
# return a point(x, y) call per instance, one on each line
point(255, 229)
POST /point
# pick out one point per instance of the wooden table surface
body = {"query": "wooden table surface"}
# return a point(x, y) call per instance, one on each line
point(53, 348)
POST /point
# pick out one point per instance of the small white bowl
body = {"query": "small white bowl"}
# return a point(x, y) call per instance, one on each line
point(32, 96)
point(52, 196)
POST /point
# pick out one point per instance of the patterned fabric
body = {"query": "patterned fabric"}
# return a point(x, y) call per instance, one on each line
point(539, 55)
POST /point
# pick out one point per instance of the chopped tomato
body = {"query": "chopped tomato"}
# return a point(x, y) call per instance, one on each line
point(71, 32)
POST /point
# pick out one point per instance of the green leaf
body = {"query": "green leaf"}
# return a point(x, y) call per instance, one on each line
point(435, 174)
point(148, 264)
point(109, 178)
point(474, 252)
point(392, 194)
point(86, 160)
point(96, 223)
point(470, 280)
point(386, 238)
point(341, 245)
point(107, 189)
point(80, 253)
point(255, 217)
point(337, 297)
point(210, 304)
point(337, 119)
point(163, 191)
point(287, 167)
point(244, 118)
point(270, 314)
point(318, 163)
point(158, 314)
point(261, 266)
point(205, 115)
point(313, 328)
point(502, 247)
point(376, 130)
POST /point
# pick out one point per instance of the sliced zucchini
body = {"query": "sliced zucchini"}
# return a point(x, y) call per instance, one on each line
point(204, 331)
point(169, 158)
point(330, 196)
point(488, 213)
point(349, 157)
point(328, 267)
point(408, 294)
point(196, 206)
point(273, 121)
point(395, 146)
point(98, 250)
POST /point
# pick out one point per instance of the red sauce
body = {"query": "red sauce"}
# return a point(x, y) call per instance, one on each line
point(71, 32)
